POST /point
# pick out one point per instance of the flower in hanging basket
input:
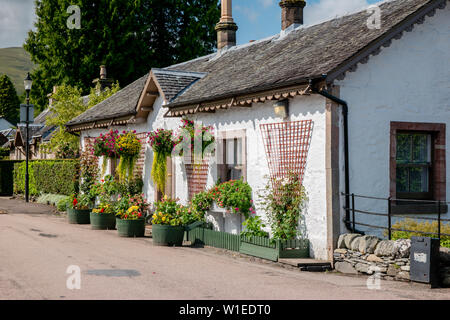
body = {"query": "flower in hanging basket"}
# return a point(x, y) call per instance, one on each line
point(105, 146)
point(191, 133)
point(162, 144)
point(128, 147)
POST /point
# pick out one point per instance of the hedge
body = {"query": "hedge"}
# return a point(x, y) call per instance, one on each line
point(6, 177)
point(47, 176)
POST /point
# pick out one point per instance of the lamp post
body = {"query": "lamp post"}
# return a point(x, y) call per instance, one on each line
point(27, 84)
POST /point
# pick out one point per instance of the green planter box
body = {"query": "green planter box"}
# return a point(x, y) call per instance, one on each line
point(78, 216)
point(164, 235)
point(216, 239)
point(130, 228)
point(102, 221)
point(262, 247)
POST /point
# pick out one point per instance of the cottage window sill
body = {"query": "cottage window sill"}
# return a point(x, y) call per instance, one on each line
point(418, 208)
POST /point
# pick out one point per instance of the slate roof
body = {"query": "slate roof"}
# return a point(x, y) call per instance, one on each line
point(120, 104)
point(307, 52)
point(174, 82)
point(5, 124)
point(304, 53)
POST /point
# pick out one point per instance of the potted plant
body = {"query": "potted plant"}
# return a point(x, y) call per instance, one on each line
point(78, 211)
point(168, 222)
point(103, 217)
point(130, 216)
point(162, 144)
point(128, 148)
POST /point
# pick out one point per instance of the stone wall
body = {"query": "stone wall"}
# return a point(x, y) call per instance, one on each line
point(357, 254)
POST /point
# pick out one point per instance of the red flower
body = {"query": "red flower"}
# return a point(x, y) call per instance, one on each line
point(102, 210)
point(75, 201)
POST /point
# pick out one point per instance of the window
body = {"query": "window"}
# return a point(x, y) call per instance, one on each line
point(231, 155)
point(414, 166)
point(417, 166)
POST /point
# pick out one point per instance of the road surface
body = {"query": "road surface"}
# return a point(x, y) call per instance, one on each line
point(37, 248)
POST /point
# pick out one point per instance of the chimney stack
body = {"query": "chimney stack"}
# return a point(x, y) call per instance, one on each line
point(103, 82)
point(291, 13)
point(226, 28)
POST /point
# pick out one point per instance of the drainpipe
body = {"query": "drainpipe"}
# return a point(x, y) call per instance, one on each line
point(344, 105)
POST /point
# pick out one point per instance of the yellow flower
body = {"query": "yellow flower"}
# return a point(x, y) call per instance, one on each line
point(164, 219)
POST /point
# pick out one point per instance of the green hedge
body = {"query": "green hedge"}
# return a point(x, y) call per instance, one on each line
point(47, 176)
point(7, 177)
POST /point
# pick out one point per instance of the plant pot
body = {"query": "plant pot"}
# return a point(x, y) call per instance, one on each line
point(164, 235)
point(103, 221)
point(78, 216)
point(130, 228)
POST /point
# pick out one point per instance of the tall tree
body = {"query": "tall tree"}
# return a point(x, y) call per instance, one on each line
point(9, 101)
point(129, 37)
point(68, 104)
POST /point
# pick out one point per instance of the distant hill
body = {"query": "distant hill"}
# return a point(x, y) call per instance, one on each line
point(15, 62)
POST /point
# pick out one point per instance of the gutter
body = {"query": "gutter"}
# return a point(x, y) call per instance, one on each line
point(344, 105)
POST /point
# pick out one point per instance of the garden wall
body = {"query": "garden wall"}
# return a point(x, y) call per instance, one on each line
point(47, 176)
point(357, 254)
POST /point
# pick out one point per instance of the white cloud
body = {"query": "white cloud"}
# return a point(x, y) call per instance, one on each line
point(328, 9)
point(16, 19)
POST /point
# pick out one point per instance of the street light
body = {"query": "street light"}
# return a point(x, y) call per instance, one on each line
point(27, 82)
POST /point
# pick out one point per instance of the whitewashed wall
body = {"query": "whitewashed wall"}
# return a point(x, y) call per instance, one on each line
point(301, 108)
point(408, 81)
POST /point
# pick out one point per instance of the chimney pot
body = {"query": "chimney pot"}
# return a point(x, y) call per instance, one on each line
point(291, 12)
point(226, 28)
point(102, 72)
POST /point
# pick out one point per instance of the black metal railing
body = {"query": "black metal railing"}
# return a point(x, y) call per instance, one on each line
point(389, 215)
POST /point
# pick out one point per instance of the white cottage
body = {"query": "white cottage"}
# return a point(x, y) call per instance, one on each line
point(358, 108)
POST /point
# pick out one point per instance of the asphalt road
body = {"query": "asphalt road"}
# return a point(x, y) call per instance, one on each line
point(37, 248)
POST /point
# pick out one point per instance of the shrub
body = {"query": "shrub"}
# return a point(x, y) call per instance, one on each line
point(235, 195)
point(414, 225)
point(61, 205)
point(53, 199)
point(47, 176)
point(4, 153)
point(282, 199)
point(200, 203)
point(169, 212)
point(253, 227)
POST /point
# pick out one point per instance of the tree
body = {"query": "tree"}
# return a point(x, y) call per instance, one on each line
point(68, 104)
point(129, 37)
point(9, 101)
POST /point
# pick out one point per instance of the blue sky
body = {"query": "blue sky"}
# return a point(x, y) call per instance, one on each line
point(256, 19)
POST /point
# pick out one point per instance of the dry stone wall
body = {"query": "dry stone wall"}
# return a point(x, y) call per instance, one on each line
point(358, 254)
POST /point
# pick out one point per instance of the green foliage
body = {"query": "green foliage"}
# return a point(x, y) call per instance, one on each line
point(56, 200)
point(235, 195)
point(162, 144)
point(62, 204)
point(131, 208)
point(81, 202)
point(253, 227)
point(68, 104)
point(200, 203)
point(9, 101)
point(126, 36)
point(4, 153)
point(170, 212)
point(89, 172)
point(425, 226)
point(128, 148)
point(47, 176)
point(282, 199)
